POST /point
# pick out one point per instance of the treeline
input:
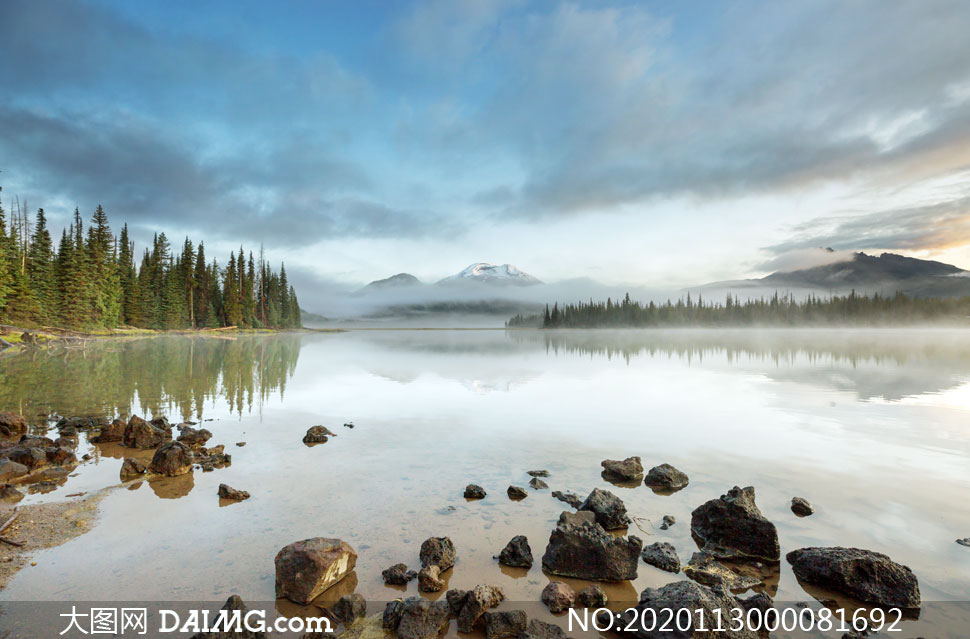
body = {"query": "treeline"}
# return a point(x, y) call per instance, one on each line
point(94, 280)
point(777, 310)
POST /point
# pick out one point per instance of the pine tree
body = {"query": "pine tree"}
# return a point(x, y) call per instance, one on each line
point(40, 268)
point(6, 260)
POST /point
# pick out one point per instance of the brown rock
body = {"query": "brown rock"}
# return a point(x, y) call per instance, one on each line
point(132, 468)
point(304, 569)
point(228, 492)
point(172, 459)
point(558, 596)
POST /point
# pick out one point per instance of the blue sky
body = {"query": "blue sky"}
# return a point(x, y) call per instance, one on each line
point(651, 143)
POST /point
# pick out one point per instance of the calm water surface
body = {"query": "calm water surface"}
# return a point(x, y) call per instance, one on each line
point(871, 427)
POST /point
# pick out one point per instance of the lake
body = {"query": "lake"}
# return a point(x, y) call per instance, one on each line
point(872, 427)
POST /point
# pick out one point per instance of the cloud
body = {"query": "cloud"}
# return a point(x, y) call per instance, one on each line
point(931, 227)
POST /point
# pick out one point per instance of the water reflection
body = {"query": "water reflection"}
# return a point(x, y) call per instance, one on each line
point(174, 376)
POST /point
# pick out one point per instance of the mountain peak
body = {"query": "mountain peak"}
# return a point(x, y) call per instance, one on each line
point(394, 281)
point(492, 274)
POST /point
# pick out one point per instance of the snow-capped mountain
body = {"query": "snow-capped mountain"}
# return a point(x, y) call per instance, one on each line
point(501, 274)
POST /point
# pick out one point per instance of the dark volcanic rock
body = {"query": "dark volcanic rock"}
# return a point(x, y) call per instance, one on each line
point(317, 435)
point(667, 522)
point(33, 441)
point(538, 484)
point(10, 494)
point(732, 525)
point(350, 607)
point(516, 493)
point(572, 499)
point(868, 576)
point(469, 606)
point(113, 432)
point(131, 468)
point(706, 569)
point(558, 596)
point(12, 424)
point(174, 458)
point(398, 575)
point(663, 556)
point(592, 597)
point(691, 596)
point(429, 579)
point(474, 491)
point(630, 469)
point(608, 508)
point(193, 437)
point(10, 469)
point(232, 604)
point(666, 477)
point(142, 434)
point(228, 492)
point(421, 619)
point(30, 457)
point(537, 473)
point(801, 507)
point(82, 422)
point(581, 548)
point(516, 553)
point(542, 630)
point(504, 624)
point(964, 542)
point(304, 569)
point(438, 551)
point(60, 456)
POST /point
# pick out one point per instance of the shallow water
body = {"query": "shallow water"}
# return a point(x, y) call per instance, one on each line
point(871, 427)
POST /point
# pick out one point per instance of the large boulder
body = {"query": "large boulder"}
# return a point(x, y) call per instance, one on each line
point(304, 569)
point(581, 548)
point(733, 527)
point(629, 469)
point(609, 509)
point(113, 432)
point(142, 434)
point(469, 606)
point(666, 478)
point(682, 595)
point(516, 553)
point(172, 459)
point(416, 618)
point(437, 551)
point(12, 424)
point(868, 576)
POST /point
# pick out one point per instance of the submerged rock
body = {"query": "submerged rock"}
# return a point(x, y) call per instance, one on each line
point(732, 526)
point(630, 469)
point(579, 547)
point(516, 553)
point(228, 492)
point(865, 575)
point(666, 477)
point(683, 595)
point(801, 507)
point(516, 493)
point(172, 459)
point(537, 473)
point(304, 569)
point(592, 597)
point(663, 556)
point(538, 484)
point(572, 499)
point(667, 522)
point(318, 435)
point(350, 608)
point(469, 606)
point(505, 624)
point(113, 432)
point(10, 494)
point(706, 569)
point(609, 509)
point(558, 596)
point(418, 618)
point(474, 491)
point(132, 468)
point(398, 575)
point(429, 579)
point(438, 551)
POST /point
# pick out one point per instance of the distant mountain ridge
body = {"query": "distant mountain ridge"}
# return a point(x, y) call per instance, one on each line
point(394, 281)
point(496, 274)
point(886, 273)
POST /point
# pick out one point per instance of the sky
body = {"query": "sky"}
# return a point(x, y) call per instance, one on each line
point(644, 143)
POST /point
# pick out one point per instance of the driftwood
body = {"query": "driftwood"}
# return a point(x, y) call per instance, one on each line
point(7, 525)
